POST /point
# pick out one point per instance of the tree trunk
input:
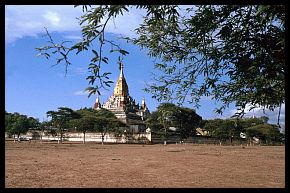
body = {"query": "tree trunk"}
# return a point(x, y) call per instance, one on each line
point(41, 136)
point(103, 139)
point(84, 141)
point(165, 135)
point(60, 136)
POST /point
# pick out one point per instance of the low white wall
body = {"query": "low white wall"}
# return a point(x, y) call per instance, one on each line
point(91, 137)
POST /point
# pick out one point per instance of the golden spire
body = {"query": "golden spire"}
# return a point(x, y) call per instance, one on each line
point(121, 70)
point(121, 88)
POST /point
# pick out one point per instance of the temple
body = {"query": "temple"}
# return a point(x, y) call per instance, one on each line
point(124, 106)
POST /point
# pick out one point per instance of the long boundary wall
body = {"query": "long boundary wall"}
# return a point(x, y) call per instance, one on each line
point(89, 137)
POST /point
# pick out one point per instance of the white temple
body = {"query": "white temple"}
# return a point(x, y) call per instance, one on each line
point(124, 106)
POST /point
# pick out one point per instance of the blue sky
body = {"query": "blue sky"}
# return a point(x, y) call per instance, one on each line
point(33, 87)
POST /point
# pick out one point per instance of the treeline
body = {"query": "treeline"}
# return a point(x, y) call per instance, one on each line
point(166, 121)
point(231, 129)
point(16, 123)
point(66, 119)
point(170, 119)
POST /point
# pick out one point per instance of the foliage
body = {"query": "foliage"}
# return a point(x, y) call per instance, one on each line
point(266, 132)
point(223, 128)
point(152, 122)
point(249, 122)
point(60, 118)
point(169, 115)
point(105, 125)
point(253, 127)
point(16, 123)
point(233, 53)
point(236, 55)
point(83, 124)
point(101, 120)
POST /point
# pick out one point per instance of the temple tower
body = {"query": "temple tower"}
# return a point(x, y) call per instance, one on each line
point(124, 106)
point(121, 88)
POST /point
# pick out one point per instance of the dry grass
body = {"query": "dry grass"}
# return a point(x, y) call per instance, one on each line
point(93, 165)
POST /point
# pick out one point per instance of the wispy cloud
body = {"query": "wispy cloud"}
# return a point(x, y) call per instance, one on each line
point(126, 24)
point(80, 71)
point(72, 37)
point(30, 20)
point(81, 93)
point(52, 17)
point(258, 112)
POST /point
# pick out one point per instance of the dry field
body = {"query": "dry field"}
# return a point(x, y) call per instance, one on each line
point(93, 165)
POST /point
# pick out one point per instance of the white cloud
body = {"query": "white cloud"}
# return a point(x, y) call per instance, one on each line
point(72, 37)
point(52, 17)
point(126, 24)
point(80, 71)
point(258, 112)
point(30, 20)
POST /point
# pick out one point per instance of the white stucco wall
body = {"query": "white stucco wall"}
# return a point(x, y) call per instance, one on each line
point(92, 137)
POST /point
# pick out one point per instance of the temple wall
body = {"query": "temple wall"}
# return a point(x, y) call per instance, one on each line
point(90, 137)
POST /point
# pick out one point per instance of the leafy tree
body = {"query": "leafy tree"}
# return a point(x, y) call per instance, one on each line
point(153, 123)
point(187, 121)
point(16, 123)
point(101, 120)
point(264, 119)
point(233, 53)
point(249, 122)
point(223, 129)
point(9, 123)
point(266, 132)
point(167, 114)
point(45, 125)
point(166, 117)
point(104, 113)
point(105, 125)
point(84, 124)
point(60, 118)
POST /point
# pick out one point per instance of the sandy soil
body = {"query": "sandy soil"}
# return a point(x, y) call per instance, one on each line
point(42, 165)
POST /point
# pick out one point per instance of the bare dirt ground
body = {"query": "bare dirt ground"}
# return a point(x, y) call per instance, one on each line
point(44, 165)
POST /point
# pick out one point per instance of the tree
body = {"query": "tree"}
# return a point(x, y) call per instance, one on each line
point(43, 126)
point(223, 129)
point(20, 125)
point(84, 124)
point(169, 115)
point(166, 116)
point(105, 125)
point(16, 123)
point(60, 118)
point(266, 132)
point(233, 53)
point(101, 120)
point(187, 120)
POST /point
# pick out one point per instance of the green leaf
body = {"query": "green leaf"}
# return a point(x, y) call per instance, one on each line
point(96, 53)
point(123, 52)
